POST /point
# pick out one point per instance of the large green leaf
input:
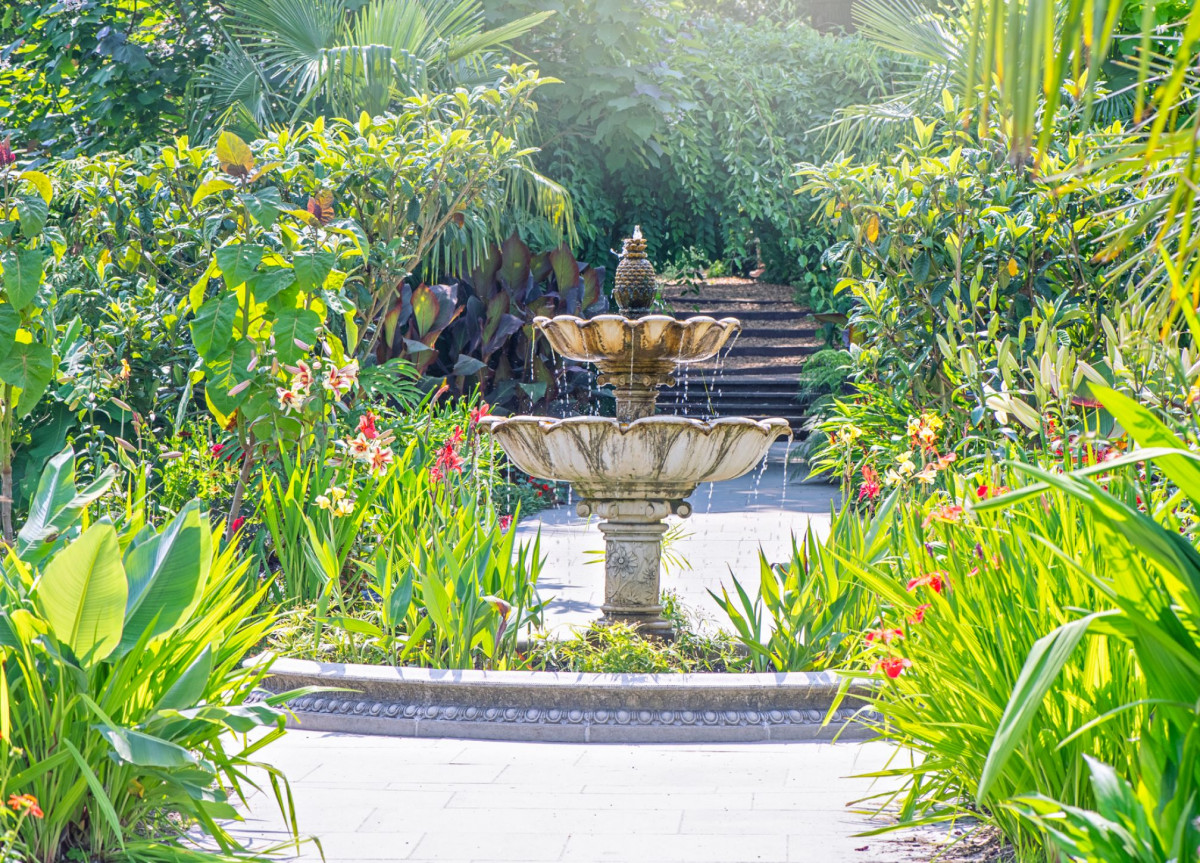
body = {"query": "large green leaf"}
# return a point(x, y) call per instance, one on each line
point(82, 593)
point(1045, 660)
point(22, 275)
point(10, 322)
point(292, 328)
point(238, 262)
point(212, 328)
point(57, 503)
point(312, 268)
point(166, 576)
point(189, 688)
point(28, 367)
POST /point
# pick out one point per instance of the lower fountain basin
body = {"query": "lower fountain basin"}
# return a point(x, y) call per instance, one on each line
point(658, 457)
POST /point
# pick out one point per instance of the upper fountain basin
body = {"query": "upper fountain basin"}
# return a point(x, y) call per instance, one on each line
point(654, 343)
point(658, 457)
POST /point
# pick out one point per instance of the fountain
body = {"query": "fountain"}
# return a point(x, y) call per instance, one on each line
point(634, 470)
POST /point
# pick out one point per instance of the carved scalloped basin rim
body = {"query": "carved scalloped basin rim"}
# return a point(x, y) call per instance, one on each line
point(540, 705)
point(660, 455)
point(615, 340)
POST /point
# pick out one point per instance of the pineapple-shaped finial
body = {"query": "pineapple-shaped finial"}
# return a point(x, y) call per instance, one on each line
point(634, 292)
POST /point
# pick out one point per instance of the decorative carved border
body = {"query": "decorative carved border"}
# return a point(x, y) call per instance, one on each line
point(411, 713)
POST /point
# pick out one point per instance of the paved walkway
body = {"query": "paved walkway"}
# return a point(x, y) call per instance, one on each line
point(377, 798)
point(731, 522)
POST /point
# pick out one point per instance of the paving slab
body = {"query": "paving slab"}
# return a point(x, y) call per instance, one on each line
point(731, 523)
point(401, 799)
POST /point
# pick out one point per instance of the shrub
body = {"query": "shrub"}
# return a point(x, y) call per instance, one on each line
point(259, 249)
point(81, 77)
point(959, 268)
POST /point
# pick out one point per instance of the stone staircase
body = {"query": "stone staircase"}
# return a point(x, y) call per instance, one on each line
point(759, 374)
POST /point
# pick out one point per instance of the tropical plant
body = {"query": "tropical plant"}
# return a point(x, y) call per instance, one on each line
point(958, 269)
point(479, 332)
point(962, 600)
point(1015, 64)
point(123, 686)
point(281, 63)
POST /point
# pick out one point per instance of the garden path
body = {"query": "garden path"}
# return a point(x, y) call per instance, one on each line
point(732, 520)
point(382, 798)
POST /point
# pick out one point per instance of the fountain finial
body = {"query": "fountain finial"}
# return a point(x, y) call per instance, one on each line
point(635, 288)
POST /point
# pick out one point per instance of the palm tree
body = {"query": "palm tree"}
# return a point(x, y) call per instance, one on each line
point(288, 60)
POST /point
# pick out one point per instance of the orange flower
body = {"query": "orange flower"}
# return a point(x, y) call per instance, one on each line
point(918, 615)
point(948, 514)
point(893, 666)
point(935, 580)
point(883, 636)
point(25, 803)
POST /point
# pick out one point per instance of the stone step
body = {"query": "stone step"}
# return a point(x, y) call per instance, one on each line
point(755, 313)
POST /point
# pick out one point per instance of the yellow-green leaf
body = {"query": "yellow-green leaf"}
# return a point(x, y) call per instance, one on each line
point(40, 182)
point(210, 187)
point(234, 155)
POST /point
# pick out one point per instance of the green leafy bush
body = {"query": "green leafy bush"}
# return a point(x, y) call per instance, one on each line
point(322, 224)
point(690, 126)
point(619, 648)
point(959, 268)
point(122, 680)
point(81, 77)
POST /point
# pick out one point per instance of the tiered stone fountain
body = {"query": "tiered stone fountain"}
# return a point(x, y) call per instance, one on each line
point(634, 470)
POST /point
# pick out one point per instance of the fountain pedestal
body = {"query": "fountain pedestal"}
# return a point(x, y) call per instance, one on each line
point(633, 532)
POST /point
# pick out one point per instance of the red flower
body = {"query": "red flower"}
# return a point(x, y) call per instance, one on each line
point(893, 666)
point(505, 522)
point(435, 474)
point(448, 458)
point(7, 156)
point(883, 636)
point(456, 436)
point(366, 426)
point(237, 523)
point(480, 412)
point(918, 615)
point(935, 580)
point(870, 488)
point(25, 803)
point(216, 448)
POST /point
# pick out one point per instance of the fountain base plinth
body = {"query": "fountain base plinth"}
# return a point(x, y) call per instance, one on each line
point(633, 532)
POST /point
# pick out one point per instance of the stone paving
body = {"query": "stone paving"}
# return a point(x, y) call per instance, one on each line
point(731, 522)
point(378, 798)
